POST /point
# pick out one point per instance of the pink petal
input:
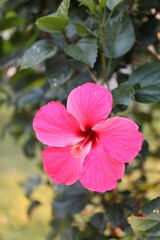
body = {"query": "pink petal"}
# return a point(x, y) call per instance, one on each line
point(100, 171)
point(89, 104)
point(63, 164)
point(120, 137)
point(54, 126)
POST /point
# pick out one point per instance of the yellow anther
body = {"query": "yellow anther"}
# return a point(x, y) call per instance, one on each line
point(77, 151)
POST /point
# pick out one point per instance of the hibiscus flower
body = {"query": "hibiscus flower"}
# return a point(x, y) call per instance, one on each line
point(82, 144)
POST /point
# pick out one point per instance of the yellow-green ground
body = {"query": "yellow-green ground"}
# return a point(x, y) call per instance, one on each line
point(14, 171)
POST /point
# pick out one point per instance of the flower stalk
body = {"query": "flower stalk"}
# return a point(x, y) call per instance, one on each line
point(102, 45)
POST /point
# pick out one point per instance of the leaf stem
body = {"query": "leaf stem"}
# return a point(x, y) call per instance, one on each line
point(102, 45)
point(65, 37)
point(109, 66)
point(131, 6)
point(90, 73)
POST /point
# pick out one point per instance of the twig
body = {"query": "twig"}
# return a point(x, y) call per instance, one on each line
point(90, 73)
point(103, 58)
point(131, 6)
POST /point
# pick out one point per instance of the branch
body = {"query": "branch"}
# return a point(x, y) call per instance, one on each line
point(131, 6)
point(90, 73)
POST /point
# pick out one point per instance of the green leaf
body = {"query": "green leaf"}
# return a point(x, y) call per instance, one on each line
point(52, 23)
point(30, 98)
point(32, 182)
point(148, 227)
point(148, 77)
point(10, 22)
point(83, 30)
point(88, 3)
point(99, 221)
point(63, 9)
point(84, 50)
point(151, 206)
point(59, 75)
point(56, 21)
point(119, 36)
point(37, 53)
point(124, 94)
point(70, 200)
point(145, 146)
point(34, 204)
point(111, 4)
point(102, 4)
point(29, 147)
point(118, 213)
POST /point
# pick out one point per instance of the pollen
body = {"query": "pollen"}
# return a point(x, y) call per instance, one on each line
point(77, 151)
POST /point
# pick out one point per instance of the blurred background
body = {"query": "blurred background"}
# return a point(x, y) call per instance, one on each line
point(31, 206)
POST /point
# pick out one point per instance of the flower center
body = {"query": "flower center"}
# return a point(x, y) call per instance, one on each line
point(90, 136)
point(77, 151)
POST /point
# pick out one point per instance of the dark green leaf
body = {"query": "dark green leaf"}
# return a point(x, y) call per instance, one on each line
point(37, 53)
point(118, 213)
point(32, 206)
point(119, 36)
point(148, 77)
point(99, 221)
point(124, 94)
point(52, 23)
point(146, 35)
point(83, 30)
point(151, 206)
point(29, 147)
point(63, 230)
point(56, 75)
point(63, 9)
point(32, 182)
point(144, 151)
point(84, 50)
point(31, 97)
point(71, 200)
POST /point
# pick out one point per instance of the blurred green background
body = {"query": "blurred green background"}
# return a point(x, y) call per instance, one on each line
point(15, 224)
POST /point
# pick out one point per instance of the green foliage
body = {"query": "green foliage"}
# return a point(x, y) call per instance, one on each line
point(148, 225)
point(51, 24)
point(10, 22)
point(102, 4)
point(37, 53)
point(124, 94)
point(84, 50)
point(119, 36)
point(148, 77)
point(56, 21)
point(90, 4)
point(83, 30)
point(62, 10)
point(85, 41)
point(111, 4)
point(67, 202)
